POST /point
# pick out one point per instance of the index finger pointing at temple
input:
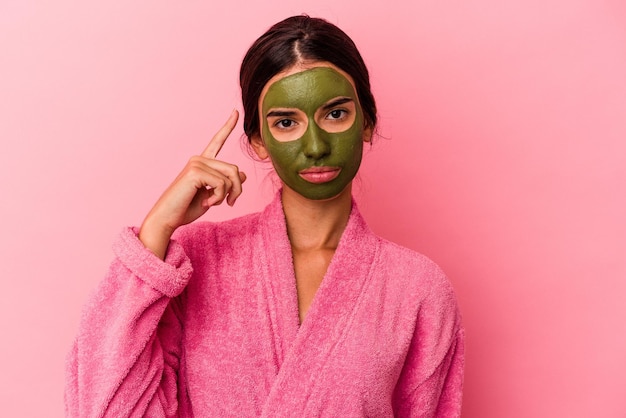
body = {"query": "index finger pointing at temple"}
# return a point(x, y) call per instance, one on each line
point(215, 145)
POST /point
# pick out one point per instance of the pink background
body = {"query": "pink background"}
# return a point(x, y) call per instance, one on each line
point(502, 156)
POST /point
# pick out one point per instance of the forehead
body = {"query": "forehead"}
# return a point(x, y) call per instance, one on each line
point(307, 89)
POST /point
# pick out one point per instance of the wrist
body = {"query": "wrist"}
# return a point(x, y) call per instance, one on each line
point(155, 237)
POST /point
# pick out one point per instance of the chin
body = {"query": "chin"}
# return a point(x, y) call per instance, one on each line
point(320, 193)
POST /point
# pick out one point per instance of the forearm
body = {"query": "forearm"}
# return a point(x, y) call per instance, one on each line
point(128, 342)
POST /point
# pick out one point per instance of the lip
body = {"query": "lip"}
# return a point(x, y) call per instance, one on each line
point(319, 175)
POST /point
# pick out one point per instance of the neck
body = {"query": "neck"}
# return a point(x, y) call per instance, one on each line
point(316, 224)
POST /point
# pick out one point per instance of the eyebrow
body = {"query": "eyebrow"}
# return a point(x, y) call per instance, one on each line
point(280, 113)
point(337, 102)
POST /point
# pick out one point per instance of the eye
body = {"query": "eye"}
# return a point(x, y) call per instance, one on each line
point(284, 123)
point(337, 114)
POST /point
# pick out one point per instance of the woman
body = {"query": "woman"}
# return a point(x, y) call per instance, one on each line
point(295, 311)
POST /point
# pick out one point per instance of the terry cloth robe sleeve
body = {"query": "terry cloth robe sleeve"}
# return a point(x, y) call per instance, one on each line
point(431, 381)
point(121, 364)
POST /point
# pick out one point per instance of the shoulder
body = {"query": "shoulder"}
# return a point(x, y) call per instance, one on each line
point(410, 266)
point(405, 259)
point(410, 276)
point(417, 280)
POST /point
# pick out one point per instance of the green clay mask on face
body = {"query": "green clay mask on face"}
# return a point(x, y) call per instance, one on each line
point(312, 128)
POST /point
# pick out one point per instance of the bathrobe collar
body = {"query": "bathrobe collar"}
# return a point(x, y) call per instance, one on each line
point(331, 311)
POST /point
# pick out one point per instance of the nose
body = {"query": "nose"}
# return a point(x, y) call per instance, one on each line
point(314, 143)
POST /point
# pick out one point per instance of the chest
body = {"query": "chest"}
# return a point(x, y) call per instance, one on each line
point(240, 352)
point(309, 269)
point(245, 351)
point(276, 328)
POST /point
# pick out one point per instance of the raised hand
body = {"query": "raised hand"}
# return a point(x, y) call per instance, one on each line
point(204, 182)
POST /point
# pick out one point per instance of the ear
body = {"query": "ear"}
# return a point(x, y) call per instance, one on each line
point(367, 133)
point(259, 147)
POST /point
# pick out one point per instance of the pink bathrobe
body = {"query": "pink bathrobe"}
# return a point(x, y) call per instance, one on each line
point(214, 331)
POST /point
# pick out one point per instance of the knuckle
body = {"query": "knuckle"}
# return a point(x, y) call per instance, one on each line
point(232, 171)
point(220, 184)
point(218, 193)
point(194, 170)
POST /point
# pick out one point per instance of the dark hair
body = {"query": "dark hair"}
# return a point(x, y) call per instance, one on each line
point(293, 40)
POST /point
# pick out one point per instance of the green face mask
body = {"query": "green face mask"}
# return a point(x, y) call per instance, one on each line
point(312, 126)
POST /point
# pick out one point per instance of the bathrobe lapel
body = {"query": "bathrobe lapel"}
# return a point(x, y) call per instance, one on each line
point(303, 351)
point(279, 280)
